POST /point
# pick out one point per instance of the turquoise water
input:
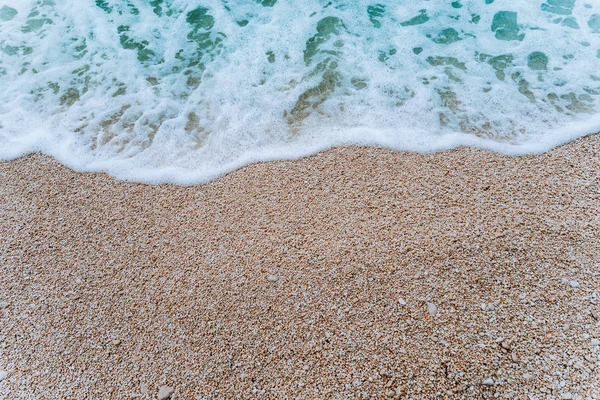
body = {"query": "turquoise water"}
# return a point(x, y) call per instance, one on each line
point(183, 91)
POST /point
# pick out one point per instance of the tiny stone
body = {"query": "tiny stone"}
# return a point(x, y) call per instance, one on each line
point(273, 278)
point(514, 357)
point(401, 301)
point(574, 284)
point(596, 342)
point(595, 314)
point(488, 382)
point(505, 345)
point(566, 396)
point(116, 342)
point(484, 307)
point(386, 373)
point(527, 376)
point(165, 392)
point(144, 389)
point(590, 359)
point(390, 393)
point(432, 309)
point(3, 375)
point(491, 306)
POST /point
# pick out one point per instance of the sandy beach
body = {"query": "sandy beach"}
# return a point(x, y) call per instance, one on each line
point(355, 273)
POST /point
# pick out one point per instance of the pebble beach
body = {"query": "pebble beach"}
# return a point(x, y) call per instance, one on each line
point(359, 273)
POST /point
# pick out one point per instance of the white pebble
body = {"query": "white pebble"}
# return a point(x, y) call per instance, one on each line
point(574, 284)
point(165, 392)
point(566, 396)
point(3, 375)
point(273, 278)
point(432, 309)
point(401, 301)
point(484, 307)
point(527, 376)
point(596, 342)
point(488, 382)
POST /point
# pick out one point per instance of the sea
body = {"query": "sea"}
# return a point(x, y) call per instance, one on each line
point(184, 91)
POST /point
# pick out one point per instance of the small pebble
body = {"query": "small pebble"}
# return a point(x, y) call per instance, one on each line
point(401, 301)
point(596, 342)
point(3, 375)
point(386, 373)
point(390, 393)
point(514, 357)
point(488, 382)
point(566, 396)
point(590, 359)
point(144, 389)
point(527, 376)
point(273, 278)
point(574, 284)
point(595, 314)
point(165, 392)
point(484, 307)
point(432, 309)
point(116, 342)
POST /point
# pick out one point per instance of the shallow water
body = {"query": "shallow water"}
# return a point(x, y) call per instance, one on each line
point(183, 91)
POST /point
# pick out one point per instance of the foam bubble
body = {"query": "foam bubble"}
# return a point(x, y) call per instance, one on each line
point(185, 91)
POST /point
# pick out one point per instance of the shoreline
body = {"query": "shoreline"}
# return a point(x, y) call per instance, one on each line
point(357, 272)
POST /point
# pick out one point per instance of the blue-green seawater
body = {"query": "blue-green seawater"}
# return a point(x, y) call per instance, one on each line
point(184, 91)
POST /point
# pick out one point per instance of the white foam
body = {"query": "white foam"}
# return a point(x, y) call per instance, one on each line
point(192, 93)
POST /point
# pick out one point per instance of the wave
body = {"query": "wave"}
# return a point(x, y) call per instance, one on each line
point(185, 91)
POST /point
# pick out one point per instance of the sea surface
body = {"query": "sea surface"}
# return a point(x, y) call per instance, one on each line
point(186, 90)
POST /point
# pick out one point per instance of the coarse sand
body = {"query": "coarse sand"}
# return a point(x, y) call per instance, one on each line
point(354, 273)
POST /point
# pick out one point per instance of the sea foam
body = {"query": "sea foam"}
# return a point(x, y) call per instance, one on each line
point(185, 91)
